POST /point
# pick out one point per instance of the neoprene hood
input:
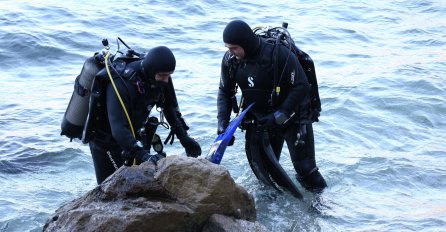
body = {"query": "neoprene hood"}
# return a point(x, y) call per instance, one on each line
point(158, 59)
point(240, 33)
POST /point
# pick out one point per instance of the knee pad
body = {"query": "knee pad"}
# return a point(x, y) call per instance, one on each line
point(312, 181)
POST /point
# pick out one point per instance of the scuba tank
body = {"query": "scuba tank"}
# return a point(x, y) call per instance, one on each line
point(96, 119)
point(74, 118)
point(86, 104)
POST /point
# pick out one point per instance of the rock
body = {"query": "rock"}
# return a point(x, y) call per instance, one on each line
point(177, 194)
point(221, 223)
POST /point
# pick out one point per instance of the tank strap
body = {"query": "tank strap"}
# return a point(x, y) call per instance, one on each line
point(79, 89)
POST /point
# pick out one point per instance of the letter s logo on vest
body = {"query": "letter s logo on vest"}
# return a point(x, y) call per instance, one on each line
point(251, 81)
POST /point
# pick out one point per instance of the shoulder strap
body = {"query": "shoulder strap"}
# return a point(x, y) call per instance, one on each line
point(119, 96)
point(232, 63)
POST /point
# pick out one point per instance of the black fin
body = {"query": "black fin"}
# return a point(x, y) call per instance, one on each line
point(275, 169)
point(256, 161)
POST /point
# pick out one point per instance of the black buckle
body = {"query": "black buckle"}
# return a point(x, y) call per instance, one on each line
point(79, 89)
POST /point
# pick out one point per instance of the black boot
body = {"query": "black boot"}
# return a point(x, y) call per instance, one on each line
point(313, 181)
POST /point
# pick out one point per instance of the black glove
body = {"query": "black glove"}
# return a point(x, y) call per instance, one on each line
point(221, 131)
point(222, 124)
point(179, 128)
point(268, 120)
point(273, 119)
point(191, 146)
point(138, 155)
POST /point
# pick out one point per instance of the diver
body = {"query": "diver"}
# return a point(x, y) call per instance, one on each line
point(281, 109)
point(144, 84)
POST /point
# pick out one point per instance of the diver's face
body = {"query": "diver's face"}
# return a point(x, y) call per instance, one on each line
point(163, 76)
point(236, 50)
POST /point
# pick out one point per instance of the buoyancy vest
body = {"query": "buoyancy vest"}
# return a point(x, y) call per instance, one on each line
point(279, 36)
point(254, 79)
point(129, 87)
point(310, 108)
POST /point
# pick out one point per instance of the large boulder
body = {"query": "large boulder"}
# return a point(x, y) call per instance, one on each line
point(221, 223)
point(177, 194)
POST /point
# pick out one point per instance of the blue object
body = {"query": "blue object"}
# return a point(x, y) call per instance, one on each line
point(219, 145)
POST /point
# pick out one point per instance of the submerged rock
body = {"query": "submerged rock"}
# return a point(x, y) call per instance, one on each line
point(177, 194)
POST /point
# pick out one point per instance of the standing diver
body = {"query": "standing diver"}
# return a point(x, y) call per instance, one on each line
point(281, 109)
point(144, 83)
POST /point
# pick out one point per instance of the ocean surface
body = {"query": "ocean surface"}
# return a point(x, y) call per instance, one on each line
point(381, 68)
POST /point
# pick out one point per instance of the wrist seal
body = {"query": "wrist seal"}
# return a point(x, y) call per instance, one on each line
point(280, 117)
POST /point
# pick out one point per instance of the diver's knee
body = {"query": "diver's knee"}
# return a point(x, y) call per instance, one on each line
point(312, 181)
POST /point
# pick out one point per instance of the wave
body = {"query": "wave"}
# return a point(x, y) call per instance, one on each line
point(37, 161)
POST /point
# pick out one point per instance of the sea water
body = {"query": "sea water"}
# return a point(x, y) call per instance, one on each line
point(381, 69)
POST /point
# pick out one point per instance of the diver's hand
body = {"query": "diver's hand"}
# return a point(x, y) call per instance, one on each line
point(268, 120)
point(138, 155)
point(221, 131)
point(273, 119)
point(222, 125)
point(148, 157)
point(191, 146)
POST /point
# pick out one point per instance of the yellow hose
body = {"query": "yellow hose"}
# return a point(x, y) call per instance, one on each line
point(119, 97)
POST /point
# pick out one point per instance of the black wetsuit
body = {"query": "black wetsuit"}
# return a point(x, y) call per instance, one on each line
point(113, 135)
point(255, 77)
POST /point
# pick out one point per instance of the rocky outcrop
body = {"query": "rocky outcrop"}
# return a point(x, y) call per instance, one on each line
point(220, 223)
point(177, 194)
